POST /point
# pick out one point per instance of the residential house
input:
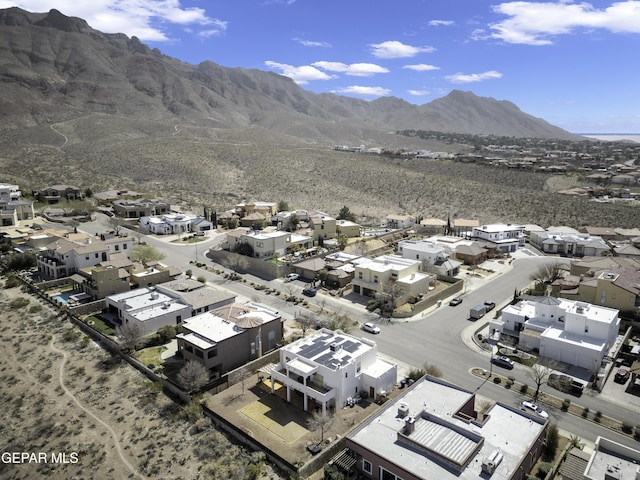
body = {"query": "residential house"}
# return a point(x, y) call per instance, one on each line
point(608, 460)
point(310, 268)
point(173, 223)
point(59, 193)
point(433, 431)
point(341, 268)
point(140, 208)
point(348, 229)
point(400, 221)
point(228, 337)
point(109, 196)
point(584, 265)
point(15, 211)
point(267, 209)
point(578, 245)
point(463, 227)
point(471, 254)
point(264, 244)
point(568, 331)
point(391, 275)
point(505, 237)
point(254, 219)
point(105, 278)
point(322, 225)
point(66, 255)
point(152, 273)
point(617, 288)
point(329, 367)
point(147, 308)
point(433, 226)
point(626, 250)
point(200, 296)
point(434, 257)
point(9, 192)
point(605, 233)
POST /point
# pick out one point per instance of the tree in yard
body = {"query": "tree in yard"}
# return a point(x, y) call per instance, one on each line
point(116, 224)
point(551, 441)
point(283, 206)
point(244, 249)
point(340, 321)
point(320, 421)
point(432, 370)
point(236, 263)
point(390, 294)
point(346, 214)
point(146, 253)
point(343, 241)
point(540, 373)
point(292, 223)
point(305, 321)
point(322, 276)
point(193, 375)
point(129, 335)
point(548, 273)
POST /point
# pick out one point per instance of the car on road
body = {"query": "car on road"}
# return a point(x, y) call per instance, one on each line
point(621, 376)
point(502, 361)
point(370, 327)
point(310, 292)
point(534, 408)
point(291, 277)
point(455, 301)
point(489, 305)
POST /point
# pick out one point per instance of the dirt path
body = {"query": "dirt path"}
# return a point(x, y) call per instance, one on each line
point(106, 426)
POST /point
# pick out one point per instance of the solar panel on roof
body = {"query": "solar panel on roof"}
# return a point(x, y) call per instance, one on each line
point(350, 346)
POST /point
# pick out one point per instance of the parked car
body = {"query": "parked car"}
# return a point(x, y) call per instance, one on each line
point(314, 449)
point(502, 361)
point(291, 277)
point(489, 305)
point(370, 327)
point(455, 301)
point(535, 408)
point(310, 292)
point(621, 376)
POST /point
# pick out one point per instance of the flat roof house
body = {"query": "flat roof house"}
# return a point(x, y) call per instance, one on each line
point(432, 431)
point(568, 331)
point(506, 237)
point(329, 367)
point(228, 337)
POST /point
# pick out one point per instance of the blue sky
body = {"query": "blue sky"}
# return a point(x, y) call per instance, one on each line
point(572, 64)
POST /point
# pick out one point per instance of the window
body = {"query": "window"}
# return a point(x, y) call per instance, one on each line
point(366, 466)
point(96, 255)
point(212, 353)
point(124, 247)
point(360, 275)
point(188, 348)
point(375, 279)
point(198, 353)
point(117, 248)
point(586, 329)
point(603, 297)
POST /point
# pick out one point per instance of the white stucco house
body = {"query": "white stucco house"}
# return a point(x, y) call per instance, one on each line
point(329, 367)
point(570, 244)
point(434, 257)
point(173, 223)
point(507, 237)
point(568, 331)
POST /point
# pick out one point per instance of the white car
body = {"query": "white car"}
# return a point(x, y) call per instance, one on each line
point(535, 408)
point(370, 327)
point(291, 277)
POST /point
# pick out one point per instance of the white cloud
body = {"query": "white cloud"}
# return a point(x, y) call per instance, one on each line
point(354, 69)
point(535, 23)
point(141, 18)
point(309, 43)
point(473, 77)
point(395, 49)
point(421, 67)
point(438, 23)
point(301, 75)
point(419, 93)
point(364, 91)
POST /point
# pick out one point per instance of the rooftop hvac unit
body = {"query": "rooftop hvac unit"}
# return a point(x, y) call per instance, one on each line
point(403, 410)
point(490, 463)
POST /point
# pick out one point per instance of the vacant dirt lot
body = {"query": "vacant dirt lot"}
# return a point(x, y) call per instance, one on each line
point(80, 413)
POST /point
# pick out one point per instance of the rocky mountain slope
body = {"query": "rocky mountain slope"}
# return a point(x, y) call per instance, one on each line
point(55, 68)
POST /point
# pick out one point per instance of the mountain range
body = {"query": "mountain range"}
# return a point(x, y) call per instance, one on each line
point(55, 68)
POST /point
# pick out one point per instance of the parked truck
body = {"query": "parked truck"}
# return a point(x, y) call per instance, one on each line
point(477, 312)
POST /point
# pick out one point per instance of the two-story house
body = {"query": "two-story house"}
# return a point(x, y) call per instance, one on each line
point(322, 225)
point(66, 255)
point(400, 221)
point(506, 237)
point(573, 332)
point(143, 207)
point(228, 337)
point(347, 228)
point(391, 275)
point(58, 193)
point(329, 367)
point(434, 257)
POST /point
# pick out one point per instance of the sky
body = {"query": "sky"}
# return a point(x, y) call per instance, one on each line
point(574, 64)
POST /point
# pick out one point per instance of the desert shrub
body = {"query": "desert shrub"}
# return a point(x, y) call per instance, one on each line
point(585, 412)
point(565, 404)
point(636, 433)
point(201, 279)
point(497, 380)
point(11, 281)
point(543, 470)
point(18, 303)
point(416, 373)
point(597, 417)
point(524, 388)
point(35, 308)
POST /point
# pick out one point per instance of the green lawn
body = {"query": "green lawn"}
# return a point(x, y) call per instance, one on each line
point(151, 355)
point(101, 325)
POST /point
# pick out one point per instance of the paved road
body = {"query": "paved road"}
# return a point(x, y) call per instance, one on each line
point(435, 338)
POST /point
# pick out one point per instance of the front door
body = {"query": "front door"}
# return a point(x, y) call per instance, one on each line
point(372, 393)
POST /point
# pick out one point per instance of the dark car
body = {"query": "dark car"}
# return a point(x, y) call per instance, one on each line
point(455, 301)
point(314, 449)
point(502, 361)
point(310, 292)
point(621, 376)
point(489, 305)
